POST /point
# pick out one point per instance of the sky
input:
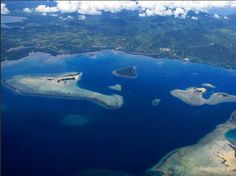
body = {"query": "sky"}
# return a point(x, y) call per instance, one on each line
point(145, 8)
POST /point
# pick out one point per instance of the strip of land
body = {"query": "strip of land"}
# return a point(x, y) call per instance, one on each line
point(61, 85)
point(194, 96)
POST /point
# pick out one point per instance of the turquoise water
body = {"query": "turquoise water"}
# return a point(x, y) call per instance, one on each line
point(130, 139)
point(231, 136)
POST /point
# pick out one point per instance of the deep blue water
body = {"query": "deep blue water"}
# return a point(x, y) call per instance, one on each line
point(130, 139)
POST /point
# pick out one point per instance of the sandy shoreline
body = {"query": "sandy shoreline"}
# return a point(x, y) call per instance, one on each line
point(213, 155)
point(41, 86)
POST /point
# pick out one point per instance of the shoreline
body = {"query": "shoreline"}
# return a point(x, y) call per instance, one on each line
point(112, 101)
point(18, 92)
point(198, 158)
point(114, 72)
point(150, 55)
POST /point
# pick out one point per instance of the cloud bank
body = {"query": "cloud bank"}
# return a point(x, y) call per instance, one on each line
point(145, 8)
point(4, 9)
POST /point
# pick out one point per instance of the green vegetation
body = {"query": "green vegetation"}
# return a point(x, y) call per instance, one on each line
point(207, 40)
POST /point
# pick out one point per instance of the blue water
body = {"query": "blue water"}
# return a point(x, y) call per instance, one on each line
point(231, 136)
point(130, 139)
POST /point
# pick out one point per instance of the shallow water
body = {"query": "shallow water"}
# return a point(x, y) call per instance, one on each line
point(130, 139)
point(231, 136)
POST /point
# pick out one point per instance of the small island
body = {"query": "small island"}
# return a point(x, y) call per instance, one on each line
point(194, 96)
point(212, 155)
point(116, 87)
point(126, 72)
point(60, 85)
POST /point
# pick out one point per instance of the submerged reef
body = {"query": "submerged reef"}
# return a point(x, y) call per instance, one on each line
point(4, 107)
point(156, 101)
point(103, 172)
point(126, 72)
point(116, 87)
point(213, 155)
point(74, 120)
point(208, 85)
point(60, 85)
point(194, 96)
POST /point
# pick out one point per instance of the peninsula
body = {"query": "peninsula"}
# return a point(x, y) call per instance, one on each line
point(213, 155)
point(61, 85)
point(194, 96)
point(126, 72)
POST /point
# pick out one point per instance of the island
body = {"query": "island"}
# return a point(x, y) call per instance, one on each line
point(116, 87)
point(213, 155)
point(62, 85)
point(126, 72)
point(194, 96)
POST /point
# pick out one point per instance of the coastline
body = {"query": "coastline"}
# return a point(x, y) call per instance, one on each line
point(113, 101)
point(17, 92)
point(150, 55)
point(211, 155)
point(114, 72)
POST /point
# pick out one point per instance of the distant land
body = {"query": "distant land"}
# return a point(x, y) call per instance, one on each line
point(207, 40)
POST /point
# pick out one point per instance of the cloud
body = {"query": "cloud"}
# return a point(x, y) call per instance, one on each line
point(179, 8)
point(146, 8)
point(53, 14)
point(68, 17)
point(180, 12)
point(82, 17)
point(46, 9)
point(226, 18)
point(27, 10)
point(216, 16)
point(4, 9)
point(87, 7)
point(194, 18)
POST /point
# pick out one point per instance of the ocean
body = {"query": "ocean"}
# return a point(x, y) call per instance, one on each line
point(130, 139)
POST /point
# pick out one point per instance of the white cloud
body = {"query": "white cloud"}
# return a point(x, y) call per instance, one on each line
point(226, 18)
point(142, 14)
point(27, 10)
point(82, 17)
point(68, 17)
point(46, 9)
point(53, 14)
point(216, 16)
point(194, 18)
point(180, 8)
point(180, 12)
point(145, 8)
point(95, 7)
point(4, 9)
